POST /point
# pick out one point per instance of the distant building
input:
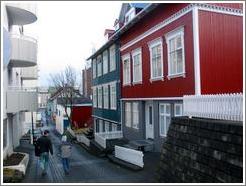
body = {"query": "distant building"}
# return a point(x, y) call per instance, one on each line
point(86, 82)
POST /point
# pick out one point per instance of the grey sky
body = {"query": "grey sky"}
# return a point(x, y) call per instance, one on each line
point(66, 32)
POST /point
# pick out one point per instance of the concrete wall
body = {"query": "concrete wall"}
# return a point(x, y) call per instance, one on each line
point(202, 150)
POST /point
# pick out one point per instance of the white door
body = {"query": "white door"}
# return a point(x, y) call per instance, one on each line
point(149, 120)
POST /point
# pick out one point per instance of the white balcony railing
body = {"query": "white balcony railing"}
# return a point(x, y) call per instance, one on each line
point(22, 13)
point(21, 99)
point(220, 106)
point(101, 138)
point(24, 51)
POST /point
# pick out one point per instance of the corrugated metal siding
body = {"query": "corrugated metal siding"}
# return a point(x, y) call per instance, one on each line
point(221, 53)
point(230, 5)
point(167, 88)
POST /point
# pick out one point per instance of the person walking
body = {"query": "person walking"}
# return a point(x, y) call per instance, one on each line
point(65, 153)
point(45, 146)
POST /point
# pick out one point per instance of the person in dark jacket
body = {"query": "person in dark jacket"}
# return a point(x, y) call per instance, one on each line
point(45, 146)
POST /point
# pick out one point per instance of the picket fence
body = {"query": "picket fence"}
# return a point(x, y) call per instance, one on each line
point(219, 106)
point(130, 155)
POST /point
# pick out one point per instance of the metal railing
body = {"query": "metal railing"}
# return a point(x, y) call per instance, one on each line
point(218, 106)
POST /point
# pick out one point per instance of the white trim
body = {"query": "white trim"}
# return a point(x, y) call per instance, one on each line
point(152, 44)
point(105, 119)
point(110, 88)
point(152, 98)
point(135, 52)
point(180, 13)
point(126, 57)
point(196, 45)
point(169, 36)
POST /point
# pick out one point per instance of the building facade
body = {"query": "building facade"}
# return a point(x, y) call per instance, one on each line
point(173, 50)
point(19, 59)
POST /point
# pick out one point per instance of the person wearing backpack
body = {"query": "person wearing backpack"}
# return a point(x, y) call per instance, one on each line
point(65, 153)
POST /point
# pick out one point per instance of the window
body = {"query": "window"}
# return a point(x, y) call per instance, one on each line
point(164, 118)
point(114, 127)
point(106, 123)
point(113, 96)
point(105, 96)
point(135, 115)
point(94, 69)
point(99, 97)
point(128, 114)
point(175, 46)
point(105, 62)
point(137, 65)
point(130, 15)
point(5, 133)
point(156, 59)
point(99, 66)
point(100, 125)
point(126, 70)
point(178, 109)
point(94, 97)
point(112, 63)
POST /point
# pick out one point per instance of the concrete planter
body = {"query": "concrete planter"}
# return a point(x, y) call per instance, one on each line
point(22, 166)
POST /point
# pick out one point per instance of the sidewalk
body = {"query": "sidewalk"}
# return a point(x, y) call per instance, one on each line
point(86, 168)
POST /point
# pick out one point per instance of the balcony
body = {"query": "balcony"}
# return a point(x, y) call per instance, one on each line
point(21, 13)
point(29, 73)
point(24, 51)
point(21, 99)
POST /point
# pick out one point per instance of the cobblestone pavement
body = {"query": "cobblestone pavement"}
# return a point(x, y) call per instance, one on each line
point(86, 168)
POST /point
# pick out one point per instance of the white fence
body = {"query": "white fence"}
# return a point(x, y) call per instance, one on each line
point(220, 106)
point(102, 137)
point(83, 139)
point(130, 155)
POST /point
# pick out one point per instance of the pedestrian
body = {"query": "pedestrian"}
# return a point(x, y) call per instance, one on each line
point(45, 146)
point(65, 152)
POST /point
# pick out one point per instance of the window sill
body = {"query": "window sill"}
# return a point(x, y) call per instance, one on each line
point(157, 79)
point(127, 84)
point(113, 108)
point(137, 82)
point(171, 76)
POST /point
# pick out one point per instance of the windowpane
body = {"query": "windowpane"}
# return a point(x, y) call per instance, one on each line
point(113, 96)
point(135, 115)
point(126, 71)
point(128, 114)
point(178, 41)
point(105, 62)
point(112, 58)
point(150, 115)
point(105, 96)
point(162, 129)
point(99, 66)
point(137, 68)
point(179, 61)
point(156, 61)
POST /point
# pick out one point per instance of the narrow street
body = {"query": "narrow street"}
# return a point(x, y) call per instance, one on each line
point(85, 167)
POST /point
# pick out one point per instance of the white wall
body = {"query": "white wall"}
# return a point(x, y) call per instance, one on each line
point(59, 119)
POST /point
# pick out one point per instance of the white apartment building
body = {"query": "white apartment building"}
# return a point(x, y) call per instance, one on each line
point(19, 67)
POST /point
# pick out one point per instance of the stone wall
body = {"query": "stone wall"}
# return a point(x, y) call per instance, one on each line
point(202, 150)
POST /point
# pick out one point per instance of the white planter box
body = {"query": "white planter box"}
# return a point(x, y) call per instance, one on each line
point(22, 166)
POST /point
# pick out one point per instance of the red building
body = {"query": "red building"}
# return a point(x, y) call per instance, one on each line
point(172, 50)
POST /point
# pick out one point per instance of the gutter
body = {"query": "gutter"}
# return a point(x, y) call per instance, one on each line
point(126, 27)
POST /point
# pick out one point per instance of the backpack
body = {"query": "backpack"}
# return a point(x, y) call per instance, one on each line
point(66, 150)
point(37, 149)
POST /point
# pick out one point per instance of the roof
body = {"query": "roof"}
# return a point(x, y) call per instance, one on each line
point(115, 36)
point(76, 100)
point(139, 5)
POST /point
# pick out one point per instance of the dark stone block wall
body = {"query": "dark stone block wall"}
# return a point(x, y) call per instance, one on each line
point(202, 150)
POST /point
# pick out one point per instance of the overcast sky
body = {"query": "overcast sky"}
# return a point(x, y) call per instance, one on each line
point(67, 31)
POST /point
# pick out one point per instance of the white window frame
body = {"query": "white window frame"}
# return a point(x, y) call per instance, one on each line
point(130, 14)
point(112, 61)
point(128, 112)
point(94, 97)
point(169, 36)
point(94, 68)
point(113, 96)
point(151, 45)
point(165, 115)
point(99, 103)
point(99, 66)
point(126, 57)
point(105, 61)
point(175, 109)
point(136, 52)
point(106, 125)
point(135, 113)
point(105, 97)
